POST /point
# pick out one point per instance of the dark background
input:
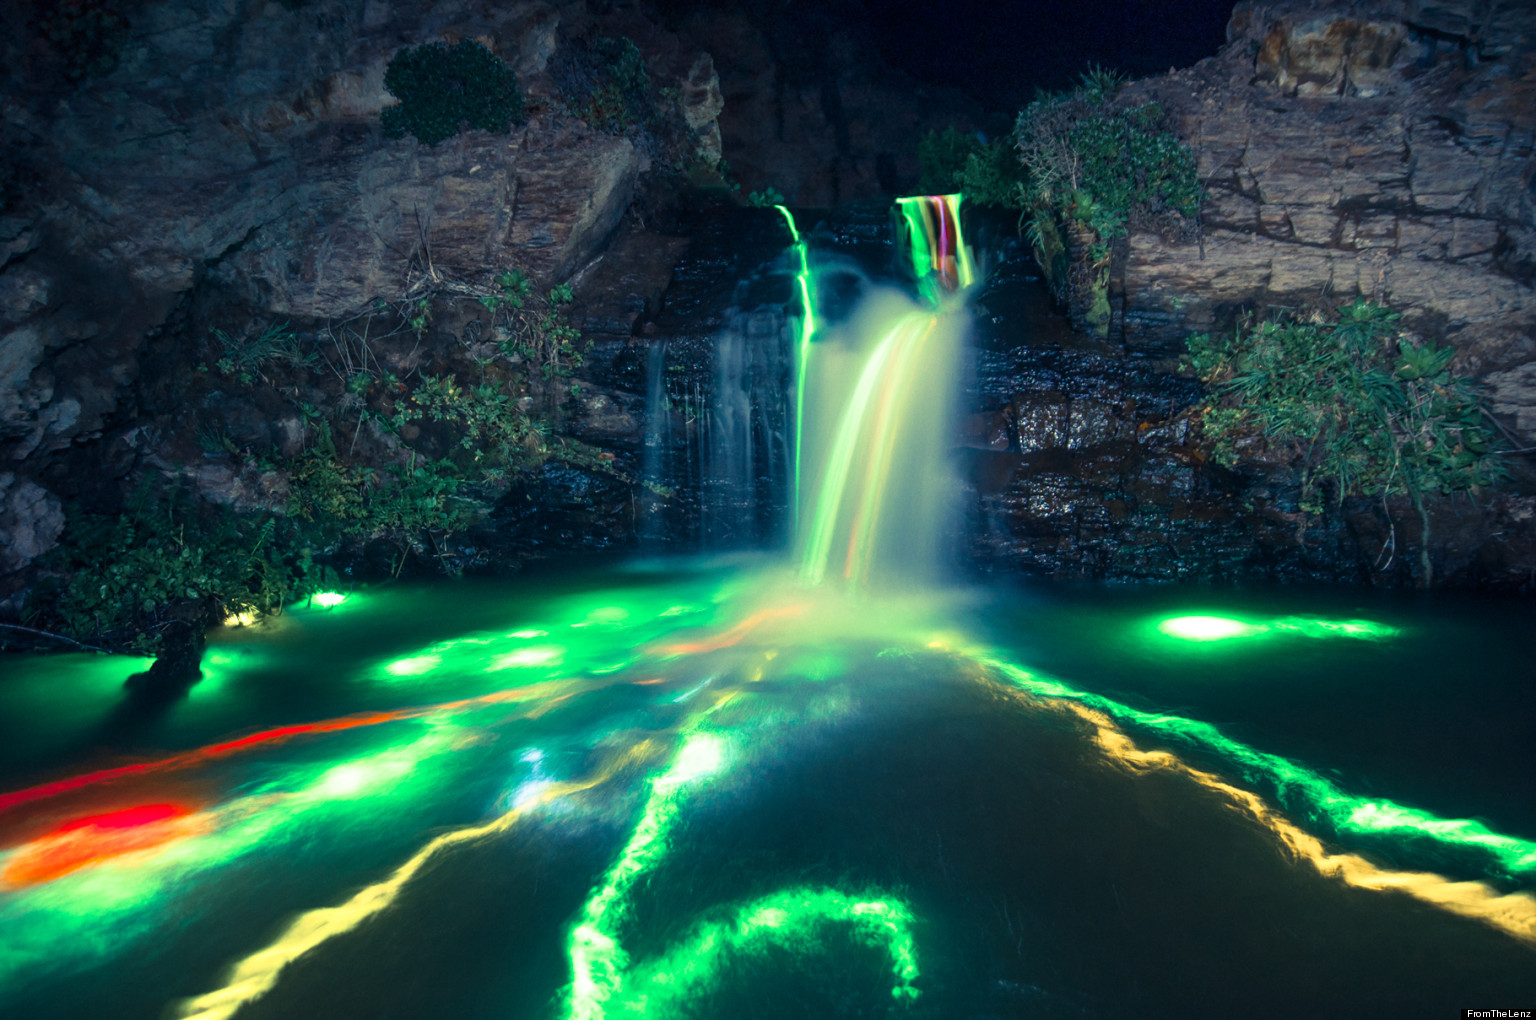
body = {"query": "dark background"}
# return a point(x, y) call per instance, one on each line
point(999, 51)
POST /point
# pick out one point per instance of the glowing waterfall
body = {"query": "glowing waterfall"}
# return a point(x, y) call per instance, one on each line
point(941, 263)
point(872, 405)
point(807, 329)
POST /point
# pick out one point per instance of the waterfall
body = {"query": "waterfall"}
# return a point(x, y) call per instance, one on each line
point(873, 400)
point(843, 418)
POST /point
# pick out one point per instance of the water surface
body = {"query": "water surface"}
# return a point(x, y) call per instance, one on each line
point(698, 790)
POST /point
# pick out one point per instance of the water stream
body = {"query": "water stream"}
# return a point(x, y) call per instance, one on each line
point(823, 787)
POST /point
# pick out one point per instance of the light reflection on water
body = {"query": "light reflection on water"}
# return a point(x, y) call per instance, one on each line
point(707, 790)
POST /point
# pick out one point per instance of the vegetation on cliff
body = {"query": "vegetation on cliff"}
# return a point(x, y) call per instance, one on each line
point(1096, 169)
point(988, 172)
point(1350, 407)
point(443, 90)
point(401, 462)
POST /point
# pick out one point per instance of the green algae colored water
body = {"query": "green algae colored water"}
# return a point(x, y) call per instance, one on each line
point(700, 791)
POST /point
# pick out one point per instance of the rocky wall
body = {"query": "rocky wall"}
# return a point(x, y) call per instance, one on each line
point(1384, 149)
point(234, 158)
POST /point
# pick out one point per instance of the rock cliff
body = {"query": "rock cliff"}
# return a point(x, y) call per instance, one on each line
point(1383, 149)
point(227, 159)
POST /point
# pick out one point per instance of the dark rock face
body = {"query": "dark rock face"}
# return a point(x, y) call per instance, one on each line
point(810, 112)
point(564, 510)
point(1080, 465)
point(1079, 462)
point(234, 158)
point(1383, 150)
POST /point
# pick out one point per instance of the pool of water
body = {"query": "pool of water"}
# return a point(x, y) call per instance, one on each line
point(696, 790)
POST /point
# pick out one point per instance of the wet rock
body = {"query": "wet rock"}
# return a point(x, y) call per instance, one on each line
point(234, 164)
point(1513, 394)
point(243, 487)
point(23, 291)
point(627, 280)
point(178, 663)
point(565, 509)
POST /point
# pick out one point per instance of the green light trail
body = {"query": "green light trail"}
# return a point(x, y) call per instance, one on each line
point(1296, 787)
point(791, 919)
point(941, 262)
point(807, 329)
point(598, 962)
point(829, 498)
point(605, 983)
point(1222, 628)
point(95, 912)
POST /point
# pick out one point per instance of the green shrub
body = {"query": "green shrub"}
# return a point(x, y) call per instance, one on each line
point(247, 357)
point(1102, 165)
point(1351, 406)
point(123, 573)
point(986, 172)
point(606, 84)
point(444, 89)
point(942, 156)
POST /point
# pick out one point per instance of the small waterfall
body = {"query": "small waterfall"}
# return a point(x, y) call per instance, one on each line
point(744, 460)
point(717, 457)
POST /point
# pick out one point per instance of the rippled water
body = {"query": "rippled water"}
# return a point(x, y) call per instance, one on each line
point(695, 790)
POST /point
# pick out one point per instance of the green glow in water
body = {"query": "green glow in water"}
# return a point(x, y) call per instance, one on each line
point(791, 919)
point(414, 665)
point(1221, 628)
point(97, 912)
point(1309, 627)
point(1207, 628)
point(598, 962)
point(1298, 788)
point(605, 983)
point(536, 655)
point(327, 599)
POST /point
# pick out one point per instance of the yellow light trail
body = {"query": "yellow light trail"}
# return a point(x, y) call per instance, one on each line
point(258, 973)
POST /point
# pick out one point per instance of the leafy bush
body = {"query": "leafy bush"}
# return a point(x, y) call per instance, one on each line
point(986, 172)
point(542, 336)
point(246, 357)
point(1104, 168)
point(445, 89)
point(1352, 406)
point(123, 572)
point(1103, 165)
point(606, 84)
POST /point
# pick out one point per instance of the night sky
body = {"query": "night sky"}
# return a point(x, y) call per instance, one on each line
point(1002, 51)
point(997, 50)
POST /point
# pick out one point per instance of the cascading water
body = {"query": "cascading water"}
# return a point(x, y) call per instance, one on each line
point(872, 402)
point(718, 427)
